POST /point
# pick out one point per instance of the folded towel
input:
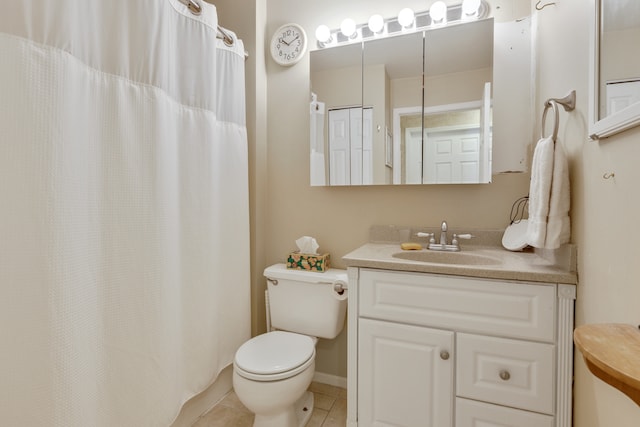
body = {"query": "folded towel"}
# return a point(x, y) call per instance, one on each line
point(540, 191)
point(549, 201)
point(558, 224)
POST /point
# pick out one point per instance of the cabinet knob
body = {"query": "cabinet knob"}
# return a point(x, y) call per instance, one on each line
point(444, 355)
point(505, 375)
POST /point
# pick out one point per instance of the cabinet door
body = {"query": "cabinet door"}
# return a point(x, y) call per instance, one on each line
point(405, 375)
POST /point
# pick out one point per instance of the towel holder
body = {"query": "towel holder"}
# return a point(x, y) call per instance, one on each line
point(568, 102)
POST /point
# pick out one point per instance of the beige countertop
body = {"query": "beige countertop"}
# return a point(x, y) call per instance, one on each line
point(527, 265)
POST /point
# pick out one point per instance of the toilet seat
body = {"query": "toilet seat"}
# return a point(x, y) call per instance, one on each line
point(274, 356)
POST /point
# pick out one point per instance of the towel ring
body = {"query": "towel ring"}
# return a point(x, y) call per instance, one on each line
point(554, 106)
point(568, 102)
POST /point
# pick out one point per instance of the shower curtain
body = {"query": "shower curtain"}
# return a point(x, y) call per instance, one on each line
point(124, 229)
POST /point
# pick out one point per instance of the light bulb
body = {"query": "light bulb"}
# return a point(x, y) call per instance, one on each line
point(323, 34)
point(406, 17)
point(376, 24)
point(438, 11)
point(348, 27)
point(470, 7)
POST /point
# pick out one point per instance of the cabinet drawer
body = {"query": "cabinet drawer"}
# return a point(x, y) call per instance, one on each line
point(502, 308)
point(507, 372)
point(470, 413)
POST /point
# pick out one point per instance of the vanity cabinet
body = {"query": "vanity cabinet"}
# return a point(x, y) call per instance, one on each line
point(436, 350)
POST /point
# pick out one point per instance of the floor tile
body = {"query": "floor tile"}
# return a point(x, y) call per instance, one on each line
point(224, 416)
point(317, 418)
point(330, 410)
point(323, 401)
point(326, 389)
point(231, 400)
point(337, 415)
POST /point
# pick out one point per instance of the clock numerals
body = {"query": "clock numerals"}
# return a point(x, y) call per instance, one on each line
point(288, 44)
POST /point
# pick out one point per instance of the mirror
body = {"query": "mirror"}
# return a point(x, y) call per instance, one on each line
point(458, 75)
point(336, 111)
point(615, 68)
point(392, 79)
point(371, 123)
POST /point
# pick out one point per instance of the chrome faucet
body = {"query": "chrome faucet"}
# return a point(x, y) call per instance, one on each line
point(454, 246)
point(443, 233)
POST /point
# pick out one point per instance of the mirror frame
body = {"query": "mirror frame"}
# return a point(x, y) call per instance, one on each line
point(615, 123)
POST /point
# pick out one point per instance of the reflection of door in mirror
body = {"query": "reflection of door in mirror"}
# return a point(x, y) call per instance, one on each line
point(619, 56)
point(350, 144)
point(336, 80)
point(392, 79)
point(458, 74)
point(457, 142)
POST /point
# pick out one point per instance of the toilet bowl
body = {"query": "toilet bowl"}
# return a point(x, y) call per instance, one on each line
point(271, 372)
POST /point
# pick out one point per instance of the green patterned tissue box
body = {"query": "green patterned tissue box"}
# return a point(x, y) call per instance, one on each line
point(308, 262)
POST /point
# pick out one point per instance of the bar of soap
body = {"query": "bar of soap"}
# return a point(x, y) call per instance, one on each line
point(409, 246)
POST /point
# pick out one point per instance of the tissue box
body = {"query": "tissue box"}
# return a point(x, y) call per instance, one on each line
point(309, 262)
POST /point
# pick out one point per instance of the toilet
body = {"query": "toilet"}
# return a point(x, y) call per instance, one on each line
point(271, 372)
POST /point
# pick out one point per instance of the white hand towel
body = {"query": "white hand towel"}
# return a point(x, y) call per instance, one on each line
point(540, 191)
point(549, 197)
point(558, 224)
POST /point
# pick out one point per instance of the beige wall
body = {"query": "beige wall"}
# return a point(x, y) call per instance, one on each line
point(248, 20)
point(604, 212)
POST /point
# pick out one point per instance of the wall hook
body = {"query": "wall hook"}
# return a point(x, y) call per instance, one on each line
point(608, 175)
point(538, 7)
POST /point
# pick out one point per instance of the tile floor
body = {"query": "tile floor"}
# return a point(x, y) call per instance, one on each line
point(330, 410)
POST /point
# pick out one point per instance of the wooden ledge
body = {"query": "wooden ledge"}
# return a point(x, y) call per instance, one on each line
point(612, 353)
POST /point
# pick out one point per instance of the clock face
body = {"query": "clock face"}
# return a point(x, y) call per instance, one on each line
point(288, 44)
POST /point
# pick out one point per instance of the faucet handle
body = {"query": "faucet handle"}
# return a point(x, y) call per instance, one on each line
point(455, 242)
point(430, 236)
point(463, 236)
point(443, 226)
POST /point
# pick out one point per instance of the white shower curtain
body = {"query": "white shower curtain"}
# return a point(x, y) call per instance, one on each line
point(124, 230)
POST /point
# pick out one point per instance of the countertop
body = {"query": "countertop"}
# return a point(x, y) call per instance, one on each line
point(527, 265)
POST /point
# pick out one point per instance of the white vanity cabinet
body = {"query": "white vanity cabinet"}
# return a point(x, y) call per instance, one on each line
point(443, 351)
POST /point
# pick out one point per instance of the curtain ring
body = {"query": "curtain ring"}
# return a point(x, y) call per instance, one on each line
point(193, 6)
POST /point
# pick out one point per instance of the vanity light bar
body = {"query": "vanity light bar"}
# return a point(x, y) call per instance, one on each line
point(455, 14)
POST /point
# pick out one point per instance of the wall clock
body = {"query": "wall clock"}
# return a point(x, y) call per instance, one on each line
point(288, 44)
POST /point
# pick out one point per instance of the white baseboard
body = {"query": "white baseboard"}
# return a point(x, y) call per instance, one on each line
point(329, 379)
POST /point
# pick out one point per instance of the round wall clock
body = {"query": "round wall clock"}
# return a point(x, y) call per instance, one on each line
point(288, 44)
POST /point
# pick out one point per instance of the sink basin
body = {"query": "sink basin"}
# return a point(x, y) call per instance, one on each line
point(456, 258)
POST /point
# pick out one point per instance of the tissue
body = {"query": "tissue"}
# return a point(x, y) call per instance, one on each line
point(307, 245)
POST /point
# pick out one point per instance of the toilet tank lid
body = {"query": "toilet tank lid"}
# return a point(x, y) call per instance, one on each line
point(280, 271)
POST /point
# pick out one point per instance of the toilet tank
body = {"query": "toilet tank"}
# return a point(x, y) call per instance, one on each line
point(306, 302)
